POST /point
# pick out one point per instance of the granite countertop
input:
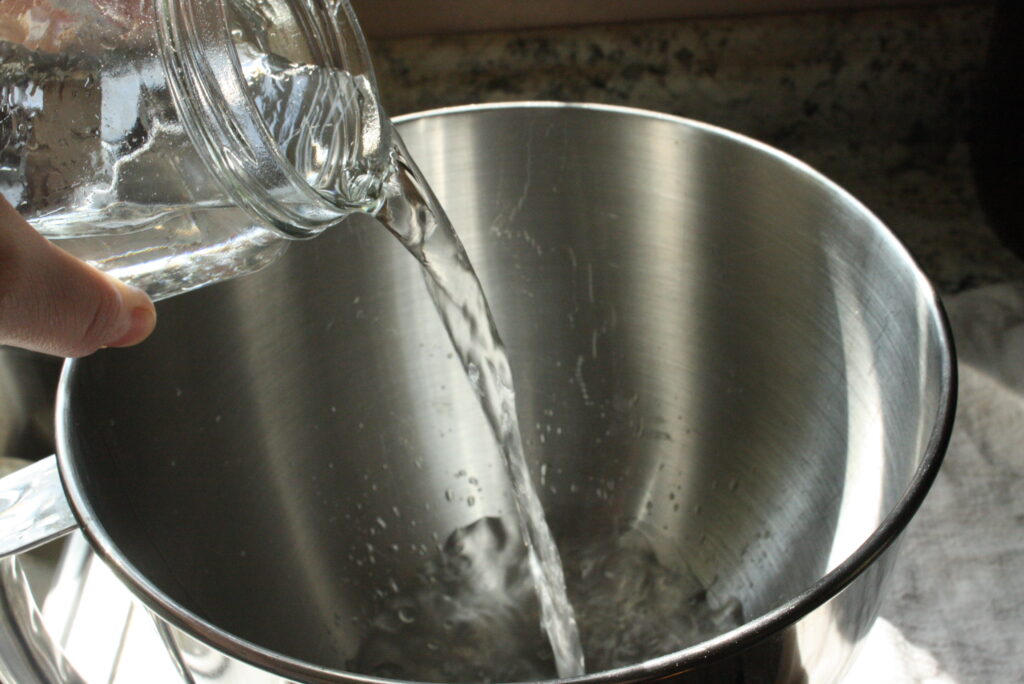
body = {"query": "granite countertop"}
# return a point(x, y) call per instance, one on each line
point(880, 101)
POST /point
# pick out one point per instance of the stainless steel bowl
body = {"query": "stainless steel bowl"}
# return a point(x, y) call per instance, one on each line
point(707, 337)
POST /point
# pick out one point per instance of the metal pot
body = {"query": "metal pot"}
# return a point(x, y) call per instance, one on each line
point(709, 338)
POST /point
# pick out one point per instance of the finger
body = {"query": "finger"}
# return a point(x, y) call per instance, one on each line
point(53, 303)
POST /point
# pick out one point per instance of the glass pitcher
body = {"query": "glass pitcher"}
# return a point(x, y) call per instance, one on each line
point(174, 143)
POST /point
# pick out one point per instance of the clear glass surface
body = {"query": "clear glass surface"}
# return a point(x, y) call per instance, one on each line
point(179, 142)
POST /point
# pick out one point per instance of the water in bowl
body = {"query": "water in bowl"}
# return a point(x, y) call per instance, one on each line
point(471, 613)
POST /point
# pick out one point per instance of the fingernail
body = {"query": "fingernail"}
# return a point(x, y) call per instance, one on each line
point(143, 320)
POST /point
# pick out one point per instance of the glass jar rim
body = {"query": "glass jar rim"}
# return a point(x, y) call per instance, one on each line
point(220, 116)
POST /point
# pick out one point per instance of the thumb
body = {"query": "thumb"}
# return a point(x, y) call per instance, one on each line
point(52, 302)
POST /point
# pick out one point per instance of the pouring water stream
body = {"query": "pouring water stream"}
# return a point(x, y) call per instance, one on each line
point(413, 214)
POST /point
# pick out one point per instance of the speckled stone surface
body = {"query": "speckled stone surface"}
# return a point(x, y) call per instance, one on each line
point(880, 101)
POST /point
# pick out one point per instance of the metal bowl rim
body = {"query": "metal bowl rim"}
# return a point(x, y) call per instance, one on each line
point(731, 642)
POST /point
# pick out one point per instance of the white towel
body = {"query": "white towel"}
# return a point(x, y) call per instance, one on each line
point(954, 609)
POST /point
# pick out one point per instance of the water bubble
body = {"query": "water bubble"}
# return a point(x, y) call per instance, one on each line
point(473, 373)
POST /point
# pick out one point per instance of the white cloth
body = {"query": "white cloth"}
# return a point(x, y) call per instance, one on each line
point(954, 609)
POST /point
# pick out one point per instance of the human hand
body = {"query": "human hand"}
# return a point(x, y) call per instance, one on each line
point(53, 303)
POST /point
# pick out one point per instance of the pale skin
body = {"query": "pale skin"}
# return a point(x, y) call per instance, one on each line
point(53, 303)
